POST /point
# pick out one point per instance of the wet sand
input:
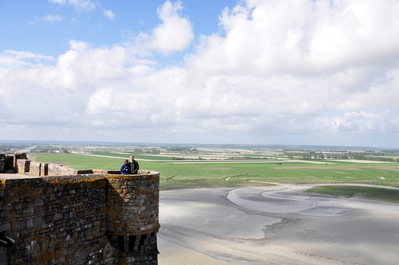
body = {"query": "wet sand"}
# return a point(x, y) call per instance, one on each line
point(274, 225)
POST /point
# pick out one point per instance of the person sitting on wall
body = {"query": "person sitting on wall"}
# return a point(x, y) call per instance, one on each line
point(134, 165)
point(125, 168)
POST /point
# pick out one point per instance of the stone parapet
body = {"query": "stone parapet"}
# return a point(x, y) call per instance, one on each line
point(16, 157)
point(132, 214)
point(132, 204)
point(23, 166)
point(79, 219)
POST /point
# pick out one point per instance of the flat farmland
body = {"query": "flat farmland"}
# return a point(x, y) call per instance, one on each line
point(225, 173)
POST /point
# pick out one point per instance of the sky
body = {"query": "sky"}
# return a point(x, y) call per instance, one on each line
point(293, 72)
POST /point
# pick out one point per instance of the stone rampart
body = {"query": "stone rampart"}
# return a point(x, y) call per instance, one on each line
point(54, 221)
point(133, 197)
point(100, 218)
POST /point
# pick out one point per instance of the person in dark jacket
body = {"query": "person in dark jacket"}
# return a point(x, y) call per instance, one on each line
point(125, 168)
point(134, 165)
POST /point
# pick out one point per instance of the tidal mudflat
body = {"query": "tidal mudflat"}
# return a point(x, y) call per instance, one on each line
point(274, 225)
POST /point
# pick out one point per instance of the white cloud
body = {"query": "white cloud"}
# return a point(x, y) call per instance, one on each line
point(61, 2)
point(301, 37)
point(109, 14)
point(277, 71)
point(360, 122)
point(52, 18)
point(10, 59)
point(102, 100)
point(174, 34)
point(77, 4)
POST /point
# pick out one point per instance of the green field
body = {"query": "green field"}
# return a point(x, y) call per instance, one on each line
point(233, 173)
point(240, 173)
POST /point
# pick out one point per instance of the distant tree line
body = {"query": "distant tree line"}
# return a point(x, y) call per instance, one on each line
point(372, 156)
point(181, 149)
point(246, 157)
point(153, 151)
point(50, 149)
point(125, 151)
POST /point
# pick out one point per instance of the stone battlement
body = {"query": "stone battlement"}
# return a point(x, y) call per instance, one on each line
point(94, 218)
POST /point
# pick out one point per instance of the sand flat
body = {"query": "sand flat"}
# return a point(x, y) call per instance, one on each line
point(274, 225)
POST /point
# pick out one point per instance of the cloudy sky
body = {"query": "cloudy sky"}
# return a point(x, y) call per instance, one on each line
point(320, 72)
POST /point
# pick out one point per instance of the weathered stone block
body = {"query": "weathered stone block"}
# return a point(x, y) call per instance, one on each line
point(5, 227)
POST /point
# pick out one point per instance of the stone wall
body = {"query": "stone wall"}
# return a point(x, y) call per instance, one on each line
point(2, 162)
point(8, 164)
point(133, 197)
point(54, 221)
point(79, 219)
point(33, 168)
point(19, 163)
point(16, 157)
